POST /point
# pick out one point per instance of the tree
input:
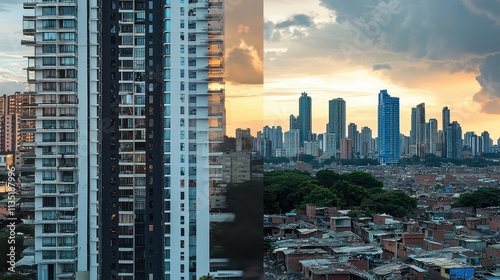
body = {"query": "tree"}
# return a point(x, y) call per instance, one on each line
point(394, 202)
point(282, 190)
point(207, 277)
point(321, 197)
point(365, 180)
point(327, 178)
point(350, 194)
point(480, 198)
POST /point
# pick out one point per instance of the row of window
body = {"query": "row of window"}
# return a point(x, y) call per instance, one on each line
point(63, 36)
point(63, 11)
point(63, 61)
point(63, 23)
point(62, 48)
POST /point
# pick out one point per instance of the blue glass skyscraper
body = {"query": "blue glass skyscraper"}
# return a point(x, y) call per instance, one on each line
point(388, 128)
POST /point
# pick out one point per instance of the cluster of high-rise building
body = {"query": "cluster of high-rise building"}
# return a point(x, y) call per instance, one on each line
point(389, 146)
point(124, 124)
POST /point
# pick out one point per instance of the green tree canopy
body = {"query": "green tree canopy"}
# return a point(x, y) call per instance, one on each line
point(327, 177)
point(480, 198)
point(321, 197)
point(394, 202)
point(365, 180)
point(349, 193)
point(284, 190)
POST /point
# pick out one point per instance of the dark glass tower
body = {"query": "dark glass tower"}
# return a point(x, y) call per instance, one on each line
point(305, 118)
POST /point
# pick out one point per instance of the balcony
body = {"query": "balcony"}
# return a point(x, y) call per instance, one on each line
point(29, 43)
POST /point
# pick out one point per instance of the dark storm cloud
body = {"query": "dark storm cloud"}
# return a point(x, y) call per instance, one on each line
point(296, 20)
point(489, 79)
point(456, 35)
point(380, 66)
point(241, 69)
point(433, 30)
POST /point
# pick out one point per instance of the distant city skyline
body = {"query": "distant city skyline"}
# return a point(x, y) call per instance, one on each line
point(352, 49)
point(320, 125)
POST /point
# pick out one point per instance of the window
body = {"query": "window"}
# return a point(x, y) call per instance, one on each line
point(67, 36)
point(48, 11)
point(67, 86)
point(49, 36)
point(139, 53)
point(48, 137)
point(51, 23)
point(48, 175)
point(67, 48)
point(49, 61)
point(49, 124)
point(66, 124)
point(139, 28)
point(48, 188)
point(67, 61)
point(49, 49)
point(68, 23)
point(67, 11)
point(49, 228)
point(139, 41)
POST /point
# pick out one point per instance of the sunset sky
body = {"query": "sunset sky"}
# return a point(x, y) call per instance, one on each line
point(441, 53)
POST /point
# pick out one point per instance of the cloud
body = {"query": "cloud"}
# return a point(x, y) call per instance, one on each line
point(491, 8)
point(243, 66)
point(295, 20)
point(244, 47)
point(380, 66)
point(489, 80)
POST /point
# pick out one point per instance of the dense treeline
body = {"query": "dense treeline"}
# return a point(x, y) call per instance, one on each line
point(435, 161)
point(317, 164)
point(481, 198)
point(293, 189)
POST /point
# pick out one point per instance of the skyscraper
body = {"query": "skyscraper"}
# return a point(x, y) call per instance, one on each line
point(346, 148)
point(454, 141)
point(352, 133)
point(485, 135)
point(329, 148)
point(366, 137)
point(131, 107)
point(63, 75)
point(294, 122)
point(431, 136)
point(337, 119)
point(418, 128)
point(305, 118)
point(446, 123)
point(292, 142)
point(388, 128)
